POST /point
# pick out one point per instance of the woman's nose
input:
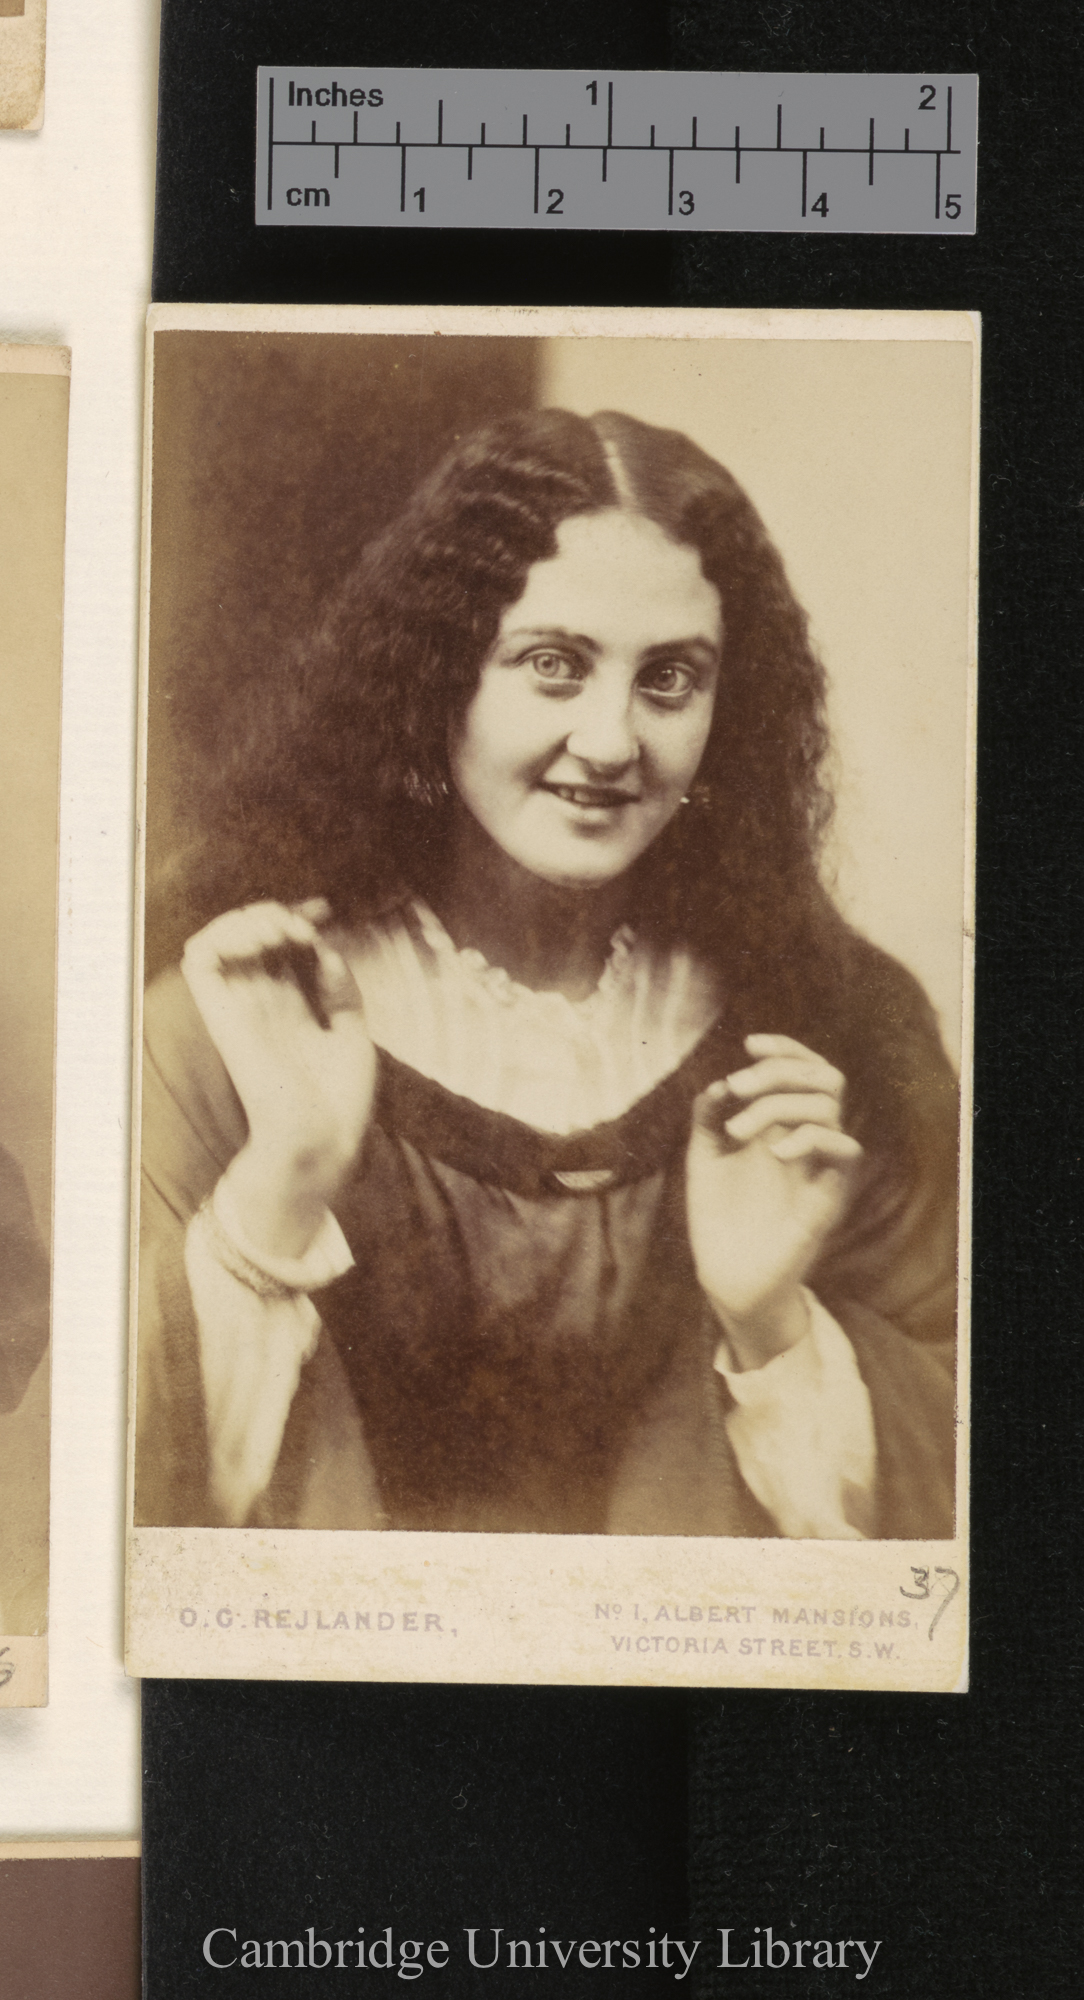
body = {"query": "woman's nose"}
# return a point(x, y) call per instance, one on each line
point(603, 733)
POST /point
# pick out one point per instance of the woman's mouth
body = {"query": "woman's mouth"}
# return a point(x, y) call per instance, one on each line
point(591, 796)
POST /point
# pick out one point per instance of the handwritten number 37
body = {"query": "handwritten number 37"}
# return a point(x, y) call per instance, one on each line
point(925, 1589)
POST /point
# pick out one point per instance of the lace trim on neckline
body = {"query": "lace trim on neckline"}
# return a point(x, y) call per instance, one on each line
point(473, 965)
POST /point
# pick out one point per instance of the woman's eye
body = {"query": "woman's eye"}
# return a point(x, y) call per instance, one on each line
point(668, 680)
point(555, 667)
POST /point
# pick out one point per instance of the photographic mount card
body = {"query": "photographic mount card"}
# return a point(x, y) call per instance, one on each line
point(34, 385)
point(22, 65)
point(397, 1467)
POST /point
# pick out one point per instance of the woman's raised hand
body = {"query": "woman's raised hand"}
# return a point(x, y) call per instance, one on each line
point(284, 1013)
point(766, 1180)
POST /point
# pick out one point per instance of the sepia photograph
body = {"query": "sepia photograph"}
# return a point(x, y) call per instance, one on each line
point(555, 910)
point(34, 383)
point(22, 65)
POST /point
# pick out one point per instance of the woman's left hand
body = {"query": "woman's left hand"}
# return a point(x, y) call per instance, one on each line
point(766, 1180)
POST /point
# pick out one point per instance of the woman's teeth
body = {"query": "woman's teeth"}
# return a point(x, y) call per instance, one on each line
point(584, 795)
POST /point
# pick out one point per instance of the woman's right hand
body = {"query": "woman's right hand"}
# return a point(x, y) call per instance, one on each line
point(262, 977)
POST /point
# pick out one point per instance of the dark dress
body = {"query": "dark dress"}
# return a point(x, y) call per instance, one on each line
point(522, 1343)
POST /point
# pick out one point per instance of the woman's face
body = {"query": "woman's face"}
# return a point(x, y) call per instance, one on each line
point(593, 709)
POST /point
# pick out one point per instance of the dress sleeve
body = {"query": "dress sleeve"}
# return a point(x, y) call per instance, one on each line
point(802, 1432)
point(888, 1274)
point(252, 1346)
point(854, 1430)
point(242, 1409)
point(192, 1125)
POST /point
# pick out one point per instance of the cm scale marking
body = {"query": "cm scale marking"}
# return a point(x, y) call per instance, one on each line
point(363, 148)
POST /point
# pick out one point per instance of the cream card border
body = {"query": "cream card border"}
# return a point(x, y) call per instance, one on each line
point(628, 1611)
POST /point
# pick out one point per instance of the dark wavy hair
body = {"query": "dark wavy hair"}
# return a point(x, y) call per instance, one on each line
point(336, 778)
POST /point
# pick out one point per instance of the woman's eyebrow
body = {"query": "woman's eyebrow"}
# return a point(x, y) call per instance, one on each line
point(551, 633)
point(559, 634)
point(695, 642)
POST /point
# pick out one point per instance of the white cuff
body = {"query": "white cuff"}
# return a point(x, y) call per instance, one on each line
point(251, 1351)
point(327, 1257)
point(802, 1432)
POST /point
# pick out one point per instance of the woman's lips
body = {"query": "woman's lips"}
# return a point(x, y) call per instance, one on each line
point(587, 796)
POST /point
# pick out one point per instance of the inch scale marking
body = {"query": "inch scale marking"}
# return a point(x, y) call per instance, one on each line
point(632, 149)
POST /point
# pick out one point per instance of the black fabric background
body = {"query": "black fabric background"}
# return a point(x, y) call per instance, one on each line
point(946, 1827)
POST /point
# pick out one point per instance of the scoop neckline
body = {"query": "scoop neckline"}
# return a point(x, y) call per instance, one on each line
point(497, 1148)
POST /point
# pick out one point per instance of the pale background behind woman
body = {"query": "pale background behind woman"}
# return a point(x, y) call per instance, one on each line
point(874, 535)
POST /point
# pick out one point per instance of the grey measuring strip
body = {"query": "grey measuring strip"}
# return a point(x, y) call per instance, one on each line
point(629, 149)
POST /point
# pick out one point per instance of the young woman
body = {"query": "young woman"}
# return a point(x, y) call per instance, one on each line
point(531, 1145)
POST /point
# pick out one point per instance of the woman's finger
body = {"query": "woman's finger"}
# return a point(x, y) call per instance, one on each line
point(270, 927)
point(799, 1109)
point(338, 986)
point(319, 973)
point(778, 1045)
point(821, 1142)
point(710, 1110)
point(788, 1073)
point(245, 935)
point(277, 942)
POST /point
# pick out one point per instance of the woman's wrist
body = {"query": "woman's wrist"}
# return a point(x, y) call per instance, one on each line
point(279, 1201)
point(769, 1329)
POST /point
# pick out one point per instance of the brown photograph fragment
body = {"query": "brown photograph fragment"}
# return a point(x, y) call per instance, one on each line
point(33, 456)
point(22, 65)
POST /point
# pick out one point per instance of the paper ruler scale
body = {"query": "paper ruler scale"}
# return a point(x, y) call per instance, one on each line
point(350, 147)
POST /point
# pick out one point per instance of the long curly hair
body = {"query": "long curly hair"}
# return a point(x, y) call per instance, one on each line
point(336, 778)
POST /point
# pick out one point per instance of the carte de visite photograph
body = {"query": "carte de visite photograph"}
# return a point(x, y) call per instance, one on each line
point(22, 65)
point(553, 1036)
point(34, 384)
